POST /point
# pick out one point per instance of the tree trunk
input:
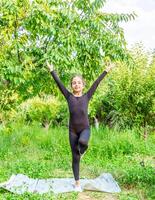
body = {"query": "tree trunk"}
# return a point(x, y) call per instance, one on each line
point(96, 123)
point(46, 125)
point(145, 134)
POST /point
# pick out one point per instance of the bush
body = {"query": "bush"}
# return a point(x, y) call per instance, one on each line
point(45, 110)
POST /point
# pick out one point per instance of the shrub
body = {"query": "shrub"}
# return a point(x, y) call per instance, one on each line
point(43, 110)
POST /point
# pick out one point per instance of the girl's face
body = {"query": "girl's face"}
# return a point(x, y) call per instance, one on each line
point(77, 84)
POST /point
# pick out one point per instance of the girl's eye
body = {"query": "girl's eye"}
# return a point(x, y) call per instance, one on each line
point(79, 83)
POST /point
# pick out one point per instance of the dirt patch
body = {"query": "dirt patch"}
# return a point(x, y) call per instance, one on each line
point(84, 196)
point(109, 197)
point(96, 195)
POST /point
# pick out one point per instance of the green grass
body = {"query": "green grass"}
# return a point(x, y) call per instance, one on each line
point(38, 153)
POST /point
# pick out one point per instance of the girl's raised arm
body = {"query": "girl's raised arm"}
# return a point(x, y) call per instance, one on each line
point(60, 85)
point(92, 89)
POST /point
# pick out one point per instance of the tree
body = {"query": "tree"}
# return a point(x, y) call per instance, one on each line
point(72, 34)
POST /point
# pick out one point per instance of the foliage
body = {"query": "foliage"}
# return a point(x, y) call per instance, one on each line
point(72, 34)
point(42, 110)
point(129, 99)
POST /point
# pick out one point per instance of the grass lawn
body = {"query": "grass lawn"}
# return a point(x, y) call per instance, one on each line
point(38, 153)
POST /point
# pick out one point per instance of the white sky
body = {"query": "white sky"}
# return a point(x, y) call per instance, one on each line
point(142, 29)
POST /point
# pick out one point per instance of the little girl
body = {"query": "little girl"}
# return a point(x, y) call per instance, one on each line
point(79, 128)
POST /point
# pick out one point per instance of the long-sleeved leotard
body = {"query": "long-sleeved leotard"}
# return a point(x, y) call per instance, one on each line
point(78, 106)
point(79, 130)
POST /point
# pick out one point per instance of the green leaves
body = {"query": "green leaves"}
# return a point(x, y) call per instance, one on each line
point(70, 34)
point(131, 92)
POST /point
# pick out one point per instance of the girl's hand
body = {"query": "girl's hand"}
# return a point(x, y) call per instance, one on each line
point(50, 66)
point(110, 66)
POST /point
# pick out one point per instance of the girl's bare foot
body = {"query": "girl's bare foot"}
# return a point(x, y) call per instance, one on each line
point(77, 186)
point(77, 183)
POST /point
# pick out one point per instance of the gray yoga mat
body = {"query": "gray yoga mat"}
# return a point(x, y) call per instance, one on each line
point(21, 183)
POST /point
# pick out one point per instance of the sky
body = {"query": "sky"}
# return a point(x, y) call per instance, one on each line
point(142, 29)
